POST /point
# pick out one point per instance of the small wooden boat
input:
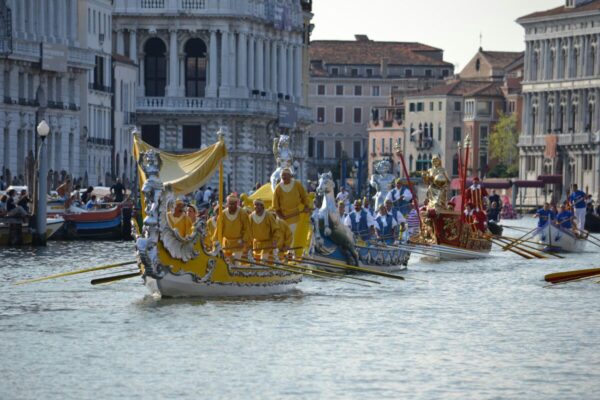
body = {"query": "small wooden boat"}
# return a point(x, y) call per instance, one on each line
point(557, 239)
point(102, 223)
point(175, 266)
point(24, 234)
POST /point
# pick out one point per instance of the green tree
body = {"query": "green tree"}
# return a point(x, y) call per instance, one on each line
point(503, 143)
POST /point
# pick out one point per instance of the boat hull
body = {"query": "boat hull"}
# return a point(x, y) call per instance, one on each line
point(113, 223)
point(52, 226)
point(382, 259)
point(187, 285)
point(560, 240)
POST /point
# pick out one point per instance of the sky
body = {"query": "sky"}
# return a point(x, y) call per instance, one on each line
point(452, 25)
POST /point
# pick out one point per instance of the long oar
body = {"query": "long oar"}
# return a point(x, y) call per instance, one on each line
point(592, 242)
point(81, 271)
point(514, 250)
point(115, 278)
point(519, 239)
point(327, 273)
point(309, 260)
point(559, 277)
point(524, 246)
point(294, 271)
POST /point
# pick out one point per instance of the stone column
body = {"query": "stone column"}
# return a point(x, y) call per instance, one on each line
point(181, 81)
point(267, 63)
point(251, 62)
point(75, 26)
point(11, 144)
point(211, 88)
point(172, 89)
point(569, 62)
point(133, 45)
point(274, 70)
point(290, 70)
point(51, 26)
point(260, 65)
point(225, 89)
point(62, 24)
point(242, 64)
point(282, 68)
point(233, 57)
point(120, 42)
point(597, 61)
point(141, 80)
point(298, 72)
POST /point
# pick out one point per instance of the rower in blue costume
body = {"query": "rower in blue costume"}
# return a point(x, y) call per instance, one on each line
point(400, 197)
point(544, 215)
point(361, 222)
point(386, 226)
point(565, 220)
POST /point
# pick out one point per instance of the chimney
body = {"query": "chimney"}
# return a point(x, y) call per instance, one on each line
point(384, 67)
point(361, 38)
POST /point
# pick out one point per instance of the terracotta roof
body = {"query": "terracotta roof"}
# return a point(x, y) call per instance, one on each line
point(122, 58)
point(369, 52)
point(461, 88)
point(562, 10)
point(501, 59)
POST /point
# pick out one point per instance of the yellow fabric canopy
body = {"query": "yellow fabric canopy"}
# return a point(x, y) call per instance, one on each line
point(264, 193)
point(184, 172)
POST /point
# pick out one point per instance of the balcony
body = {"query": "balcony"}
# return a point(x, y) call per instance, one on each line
point(98, 87)
point(239, 8)
point(564, 139)
point(31, 51)
point(192, 105)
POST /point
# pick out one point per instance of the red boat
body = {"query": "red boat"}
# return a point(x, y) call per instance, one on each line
point(113, 222)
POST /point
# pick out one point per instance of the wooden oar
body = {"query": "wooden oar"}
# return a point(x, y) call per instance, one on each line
point(313, 261)
point(519, 239)
point(513, 250)
point(115, 278)
point(81, 271)
point(328, 273)
point(294, 271)
point(588, 239)
point(559, 277)
point(524, 246)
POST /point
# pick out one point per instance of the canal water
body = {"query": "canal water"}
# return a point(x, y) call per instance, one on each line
point(485, 329)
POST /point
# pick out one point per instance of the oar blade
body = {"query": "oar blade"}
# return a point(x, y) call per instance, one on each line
point(115, 278)
point(81, 271)
point(559, 277)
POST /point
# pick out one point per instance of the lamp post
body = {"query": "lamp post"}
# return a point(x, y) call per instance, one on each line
point(40, 219)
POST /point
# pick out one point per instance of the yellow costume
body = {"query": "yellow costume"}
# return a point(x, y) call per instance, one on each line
point(285, 237)
point(211, 227)
point(290, 200)
point(183, 224)
point(232, 231)
point(264, 231)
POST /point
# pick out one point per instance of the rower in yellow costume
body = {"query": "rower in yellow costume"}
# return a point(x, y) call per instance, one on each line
point(290, 199)
point(179, 220)
point(285, 238)
point(232, 229)
point(264, 231)
point(211, 228)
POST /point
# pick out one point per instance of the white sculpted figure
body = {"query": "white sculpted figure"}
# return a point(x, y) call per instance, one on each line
point(283, 158)
point(381, 181)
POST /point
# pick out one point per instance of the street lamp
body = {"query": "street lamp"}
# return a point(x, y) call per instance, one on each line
point(43, 131)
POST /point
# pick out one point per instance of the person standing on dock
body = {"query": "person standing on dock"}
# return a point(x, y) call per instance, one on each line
point(577, 200)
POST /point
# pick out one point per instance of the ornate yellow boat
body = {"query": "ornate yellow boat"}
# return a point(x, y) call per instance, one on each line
point(175, 266)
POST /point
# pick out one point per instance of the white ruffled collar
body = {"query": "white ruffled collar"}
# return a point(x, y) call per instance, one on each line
point(232, 217)
point(258, 218)
point(287, 187)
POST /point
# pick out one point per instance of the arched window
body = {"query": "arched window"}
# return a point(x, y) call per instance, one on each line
point(155, 67)
point(478, 64)
point(195, 68)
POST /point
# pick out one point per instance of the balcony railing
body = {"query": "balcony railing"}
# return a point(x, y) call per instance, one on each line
point(31, 50)
point(564, 139)
point(100, 141)
point(424, 143)
point(198, 104)
point(152, 4)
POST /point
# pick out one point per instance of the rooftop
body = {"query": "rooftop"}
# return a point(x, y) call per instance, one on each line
point(364, 51)
point(462, 88)
point(593, 5)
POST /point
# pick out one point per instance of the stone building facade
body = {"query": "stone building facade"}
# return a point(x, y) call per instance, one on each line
point(561, 116)
point(44, 66)
point(350, 81)
point(209, 64)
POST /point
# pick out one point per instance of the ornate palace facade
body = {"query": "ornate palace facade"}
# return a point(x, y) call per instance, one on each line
point(206, 64)
point(561, 115)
